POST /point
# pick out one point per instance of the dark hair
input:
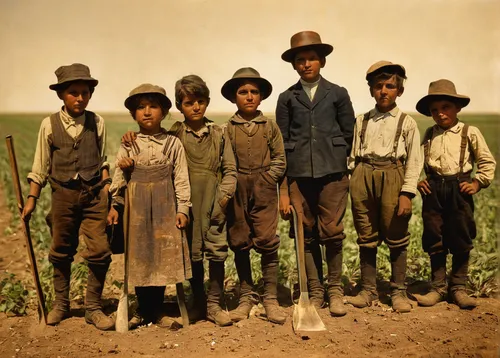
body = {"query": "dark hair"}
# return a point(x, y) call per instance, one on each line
point(64, 86)
point(155, 98)
point(191, 85)
point(384, 76)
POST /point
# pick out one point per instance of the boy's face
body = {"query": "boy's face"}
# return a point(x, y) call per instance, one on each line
point(149, 116)
point(444, 113)
point(76, 98)
point(385, 93)
point(193, 108)
point(248, 99)
point(308, 65)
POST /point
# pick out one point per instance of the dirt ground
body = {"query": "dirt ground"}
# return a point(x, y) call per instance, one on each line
point(440, 331)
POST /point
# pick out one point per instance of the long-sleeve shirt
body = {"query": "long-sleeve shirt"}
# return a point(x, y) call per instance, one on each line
point(151, 153)
point(444, 153)
point(43, 157)
point(378, 143)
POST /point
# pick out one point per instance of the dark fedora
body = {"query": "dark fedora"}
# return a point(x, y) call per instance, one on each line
point(306, 40)
point(387, 67)
point(74, 72)
point(229, 88)
point(148, 88)
point(441, 90)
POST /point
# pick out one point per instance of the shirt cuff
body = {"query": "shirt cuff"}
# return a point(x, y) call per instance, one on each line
point(183, 209)
point(37, 179)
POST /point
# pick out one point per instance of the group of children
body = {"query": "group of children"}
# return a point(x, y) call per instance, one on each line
point(223, 187)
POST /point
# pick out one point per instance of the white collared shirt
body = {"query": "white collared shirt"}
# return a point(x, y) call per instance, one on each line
point(310, 88)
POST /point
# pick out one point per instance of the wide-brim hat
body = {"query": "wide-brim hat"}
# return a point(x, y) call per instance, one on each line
point(303, 41)
point(385, 67)
point(229, 88)
point(441, 89)
point(74, 72)
point(148, 88)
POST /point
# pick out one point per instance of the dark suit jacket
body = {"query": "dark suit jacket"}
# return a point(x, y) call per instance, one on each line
point(318, 135)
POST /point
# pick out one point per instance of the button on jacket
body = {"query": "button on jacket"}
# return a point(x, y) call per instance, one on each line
point(317, 134)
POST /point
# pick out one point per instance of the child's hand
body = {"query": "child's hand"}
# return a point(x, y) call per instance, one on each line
point(129, 140)
point(423, 187)
point(29, 207)
point(470, 188)
point(181, 221)
point(112, 216)
point(126, 163)
point(285, 207)
point(404, 206)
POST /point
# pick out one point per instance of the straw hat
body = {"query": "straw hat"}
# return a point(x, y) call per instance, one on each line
point(441, 89)
point(229, 88)
point(148, 88)
point(306, 40)
point(385, 66)
point(74, 72)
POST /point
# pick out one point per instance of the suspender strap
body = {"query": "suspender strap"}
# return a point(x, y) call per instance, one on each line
point(427, 145)
point(366, 117)
point(399, 130)
point(463, 147)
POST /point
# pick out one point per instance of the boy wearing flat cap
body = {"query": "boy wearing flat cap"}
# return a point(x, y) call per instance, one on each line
point(252, 216)
point(385, 166)
point(450, 149)
point(70, 155)
point(158, 195)
point(316, 120)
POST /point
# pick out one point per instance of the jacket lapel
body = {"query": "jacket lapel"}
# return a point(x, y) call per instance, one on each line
point(301, 95)
point(321, 92)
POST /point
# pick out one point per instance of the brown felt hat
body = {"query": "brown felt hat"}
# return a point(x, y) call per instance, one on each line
point(306, 40)
point(229, 88)
point(74, 72)
point(387, 67)
point(148, 88)
point(441, 90)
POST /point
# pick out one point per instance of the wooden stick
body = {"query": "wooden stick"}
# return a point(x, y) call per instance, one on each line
point(26, 228)
point(121, 324)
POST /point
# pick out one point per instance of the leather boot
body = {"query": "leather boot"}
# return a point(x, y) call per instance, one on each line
point(248, 297)
point(368, 267)
point(270, 266)
point(400, 302)
point(93, 306)
point(199, 310)
point(60, 306)
point(458, 280)
point(156, 298)
point(335, 292)
point(438, 277)
point(314, 272)
point(215, 291)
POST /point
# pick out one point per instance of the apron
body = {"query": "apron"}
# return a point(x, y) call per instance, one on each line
point(158, 253)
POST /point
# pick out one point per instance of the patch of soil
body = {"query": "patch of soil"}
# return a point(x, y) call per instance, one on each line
point(440, 331)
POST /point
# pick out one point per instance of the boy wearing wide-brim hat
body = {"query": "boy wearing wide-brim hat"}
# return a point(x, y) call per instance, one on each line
point(252, 215)
point(450, 149)
point(70, 155)
point(316, 120)
point(385, 166)
point(158, 194)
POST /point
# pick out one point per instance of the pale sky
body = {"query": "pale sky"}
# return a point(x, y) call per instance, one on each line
point(126, 43)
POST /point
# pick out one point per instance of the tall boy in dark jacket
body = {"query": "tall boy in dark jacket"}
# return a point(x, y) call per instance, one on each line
point(316, 120)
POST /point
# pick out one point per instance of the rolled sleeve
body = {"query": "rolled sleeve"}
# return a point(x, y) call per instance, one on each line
point(413, 157)
point(181, 178)
point(42, 160)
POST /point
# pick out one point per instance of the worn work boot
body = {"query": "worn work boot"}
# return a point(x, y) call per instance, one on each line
point(215, 292)
point(314, 272)
point(368, 268)
point(60, 307)
point(248, 297)
point(270, 266)
point(458, 280)
point(163, 321)
point(400, 302)
point(335, 292)
point(93, 306)
point(199, 310)
point(438, 282)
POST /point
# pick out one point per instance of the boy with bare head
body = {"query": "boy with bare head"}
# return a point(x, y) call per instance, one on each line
point(316, 120)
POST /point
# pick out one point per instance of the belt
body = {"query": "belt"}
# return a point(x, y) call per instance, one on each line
point(381, 163)
point(253, 170)
point(445, 178)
